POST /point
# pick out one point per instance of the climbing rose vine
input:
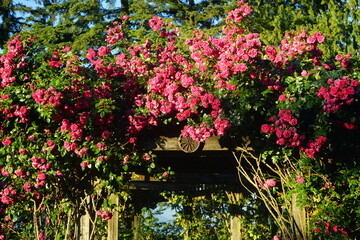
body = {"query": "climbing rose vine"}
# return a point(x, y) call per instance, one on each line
point(71, 126)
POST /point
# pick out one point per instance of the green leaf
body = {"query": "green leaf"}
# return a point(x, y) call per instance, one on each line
point(125, 167)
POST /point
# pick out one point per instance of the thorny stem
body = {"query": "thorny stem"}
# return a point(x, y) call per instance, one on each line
point(68, 225)
point(36, 224)
point(270, 202)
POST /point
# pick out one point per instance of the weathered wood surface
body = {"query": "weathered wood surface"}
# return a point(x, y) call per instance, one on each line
point(185, 182)
point(113, 223)
point(236, 228)
point(172, 144)
point(84, 227)
point(299, 223)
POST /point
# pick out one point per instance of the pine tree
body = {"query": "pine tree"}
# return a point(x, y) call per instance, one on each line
point(337, 20)
point(185, 14)
point(79, 24)
point(9, 22)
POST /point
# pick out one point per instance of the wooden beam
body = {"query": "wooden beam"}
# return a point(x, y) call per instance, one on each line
point(190, 178)
point(172, 144)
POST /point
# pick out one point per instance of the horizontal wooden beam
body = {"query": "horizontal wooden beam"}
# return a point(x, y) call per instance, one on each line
point(168, 186)
point(172, 144)
point(188, 178)
point(143, 178)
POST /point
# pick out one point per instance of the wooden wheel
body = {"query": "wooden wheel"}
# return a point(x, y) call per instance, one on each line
point(188, 145)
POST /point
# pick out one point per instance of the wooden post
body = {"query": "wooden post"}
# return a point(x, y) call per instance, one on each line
point(84, 227)
point(235, 227)
point(235, 219)
point(299, 219)
point(113, 223)
point(188, 212)
point(136, 226)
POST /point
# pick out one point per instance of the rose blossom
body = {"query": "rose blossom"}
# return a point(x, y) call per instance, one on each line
point(27, 187)
point(7, 141)
point(22, 151)
point(299, 179)
point(270, 183)
point(146, 157)
point(84, 164)
point(282, 98)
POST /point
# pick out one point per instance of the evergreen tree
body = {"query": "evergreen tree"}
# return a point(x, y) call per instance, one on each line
point(337, 20)
point(79, 24)
point(187, 14)
point(9, 22)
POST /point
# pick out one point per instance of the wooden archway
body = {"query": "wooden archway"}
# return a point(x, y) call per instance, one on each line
point(210, 163)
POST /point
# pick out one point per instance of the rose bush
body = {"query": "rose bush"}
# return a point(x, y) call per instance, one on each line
point(70, 125)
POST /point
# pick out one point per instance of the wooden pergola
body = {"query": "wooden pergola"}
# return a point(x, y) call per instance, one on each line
point(196, 165)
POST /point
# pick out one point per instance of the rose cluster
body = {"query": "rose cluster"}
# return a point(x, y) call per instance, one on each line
point(329, 229)
point(294, 46)
point(14, 59)
point(21, 112)
point(48, 96)
point(285, 130)
point(339, 92)
point(105, 215)
point(313, 147)
point(239, 13)
point(172, 88)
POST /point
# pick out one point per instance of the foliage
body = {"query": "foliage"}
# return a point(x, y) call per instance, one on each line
point(337, 20)
point(187, 15)
point(63, 140)
point(201, 217)
point(205, 215)
point(10, 22)
point(153, 228)
point(80, 24)
point(71, 126)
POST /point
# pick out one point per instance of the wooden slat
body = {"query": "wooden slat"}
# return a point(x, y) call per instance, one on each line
point(113, 223)
point(235, 218)
point(85, 227)
point(143, 178)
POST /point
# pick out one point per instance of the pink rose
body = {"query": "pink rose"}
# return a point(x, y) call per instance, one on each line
point(102, 51)
point(27, 187)
point(7, 141)
point(22, 151)
point(271, 183)
point(146, 157)
point(84, 164)
point(282, 98)
point(299, 179)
